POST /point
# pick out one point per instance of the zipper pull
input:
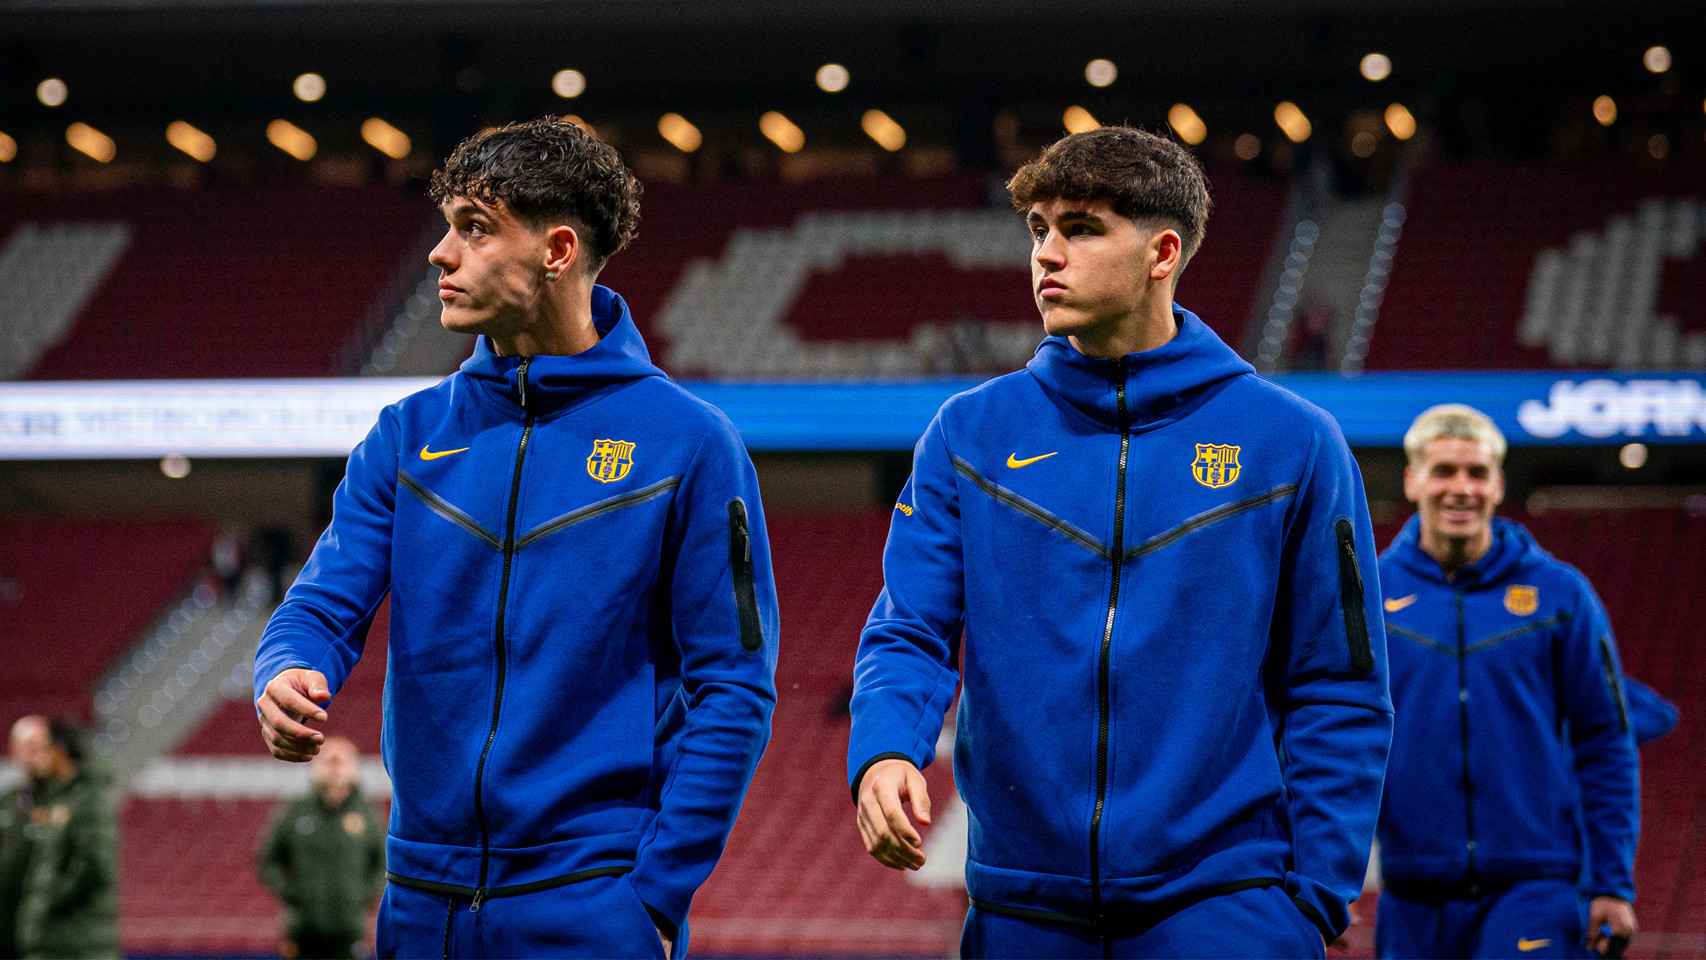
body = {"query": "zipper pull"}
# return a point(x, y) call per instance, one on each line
point(521, 380)
point(479, 895)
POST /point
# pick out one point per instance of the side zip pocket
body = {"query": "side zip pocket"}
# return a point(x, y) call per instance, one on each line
point(740, 563)
point(1350, 598)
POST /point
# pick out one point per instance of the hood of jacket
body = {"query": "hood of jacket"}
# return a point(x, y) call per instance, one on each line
point(556, 382)
point(1160, 384)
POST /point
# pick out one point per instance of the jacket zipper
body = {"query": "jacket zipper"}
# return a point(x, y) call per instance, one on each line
point(498, 639)
point(1463, 723)
point(1102, 705)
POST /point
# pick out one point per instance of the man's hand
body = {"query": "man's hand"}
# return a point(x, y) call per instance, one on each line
point(889, 836)
point(289, 700)
point(1619, 916)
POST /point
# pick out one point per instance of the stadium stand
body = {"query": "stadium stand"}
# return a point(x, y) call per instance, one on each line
point(84, 590)
point(885, 278)
point(1507, 268)
point(49, 272)
point(268, 283)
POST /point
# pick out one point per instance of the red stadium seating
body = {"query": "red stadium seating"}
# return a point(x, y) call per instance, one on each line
point(74, 594)
point(1460, 279)
point(220, 283)
point(887, 295)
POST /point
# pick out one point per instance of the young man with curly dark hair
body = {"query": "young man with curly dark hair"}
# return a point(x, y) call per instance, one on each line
point(1173, 721)
point(583, 618)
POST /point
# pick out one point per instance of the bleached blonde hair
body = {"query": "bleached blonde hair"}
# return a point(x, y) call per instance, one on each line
point(1456, 420)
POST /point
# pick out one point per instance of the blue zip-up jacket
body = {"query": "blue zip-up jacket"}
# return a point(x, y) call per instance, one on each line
point(1174, 669)
point(583, 621)
point(1512, 724)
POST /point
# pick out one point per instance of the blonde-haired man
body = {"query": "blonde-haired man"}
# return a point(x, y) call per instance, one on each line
point(1513, 743)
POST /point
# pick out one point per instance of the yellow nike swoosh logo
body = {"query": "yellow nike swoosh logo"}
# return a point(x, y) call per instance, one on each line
point(1526, 945)
point(1014, 461)
point(1399, 603)
point(435, 454)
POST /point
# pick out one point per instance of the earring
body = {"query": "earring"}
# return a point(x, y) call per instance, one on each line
point(551, 275)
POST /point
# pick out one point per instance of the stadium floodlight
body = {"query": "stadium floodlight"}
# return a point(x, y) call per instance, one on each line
point(781, 131)
point(292, 139)
point(1656, 59)
point(1187, 124)
point(52, 92)
point(1101, 73)
point(90, 142)
point(8, 148)
point(175, 466)
point(881, 127)
point(568, 84)
point(1633, 456)
point(1375, 67)
point(832, 78)
point(190, 140)
point(308, 87)
point(385, 138)
point(1605, 110)
point(1076, 119)
point(1248, 146)
point(1292, 121)
point(680, 132)
point(1400, 121)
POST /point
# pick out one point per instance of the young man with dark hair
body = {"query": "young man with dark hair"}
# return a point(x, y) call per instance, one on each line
point(1510, 825)
point(1174, 720)
point(583, 618)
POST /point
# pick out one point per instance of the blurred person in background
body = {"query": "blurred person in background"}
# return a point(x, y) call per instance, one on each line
point(59, 862)
point(1174, 720)
point(323, 856)
point(581, 664)
point(1513, 772)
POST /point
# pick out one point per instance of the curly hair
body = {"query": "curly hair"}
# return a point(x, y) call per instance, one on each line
point(544, 171)
point(1141, 175)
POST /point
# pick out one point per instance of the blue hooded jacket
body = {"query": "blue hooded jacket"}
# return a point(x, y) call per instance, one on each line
point(583, 621)
point(1174, 669)
point(1512, 723)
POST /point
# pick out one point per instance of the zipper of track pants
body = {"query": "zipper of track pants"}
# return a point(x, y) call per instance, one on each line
point(498, 640)
point(1102, 704)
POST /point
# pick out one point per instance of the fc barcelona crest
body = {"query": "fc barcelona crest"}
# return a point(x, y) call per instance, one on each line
point(611, 460)
point(1216, 465)
point(1522, 600)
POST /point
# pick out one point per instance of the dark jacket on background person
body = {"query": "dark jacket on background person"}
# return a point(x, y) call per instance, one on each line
point(1514, 737)
point(326, 864)
point(14, 861)
point(70, 895)
point(1174, 671)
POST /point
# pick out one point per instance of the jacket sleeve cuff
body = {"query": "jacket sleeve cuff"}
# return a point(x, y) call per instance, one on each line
point(668, 909)
point(1331, 915)
point(859, 775)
